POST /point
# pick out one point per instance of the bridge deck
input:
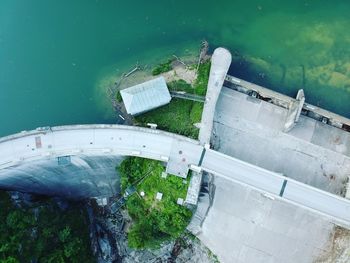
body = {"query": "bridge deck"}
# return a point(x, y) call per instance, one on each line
point(290, 190)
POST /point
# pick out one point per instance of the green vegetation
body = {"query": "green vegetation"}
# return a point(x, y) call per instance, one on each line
point(178, 117)
point(200, 85)
point(196, 113)
point(154, 221)
point(43, 234)
point(180, 85)
point(118, 96)
point(162, 67)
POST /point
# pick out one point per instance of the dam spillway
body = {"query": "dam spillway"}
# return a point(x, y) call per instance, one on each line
point(72, 177)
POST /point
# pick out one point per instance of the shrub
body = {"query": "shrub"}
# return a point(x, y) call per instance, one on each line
point(180, 85)
point(163, 67)
point(118, 96)
point(175, 117)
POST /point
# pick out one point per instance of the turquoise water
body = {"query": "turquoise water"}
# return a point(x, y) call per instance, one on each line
point(56, 57)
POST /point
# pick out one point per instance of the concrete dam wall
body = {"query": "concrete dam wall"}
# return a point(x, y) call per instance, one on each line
point(79, 161)
point(74, 177)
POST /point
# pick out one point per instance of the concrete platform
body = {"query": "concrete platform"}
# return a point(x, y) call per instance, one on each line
point(312, 152)
point(244, 226)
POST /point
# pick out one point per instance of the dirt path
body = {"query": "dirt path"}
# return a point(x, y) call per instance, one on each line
point(180, 72)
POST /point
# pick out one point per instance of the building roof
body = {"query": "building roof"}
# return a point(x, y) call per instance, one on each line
point(159, 196)
point(146, 96)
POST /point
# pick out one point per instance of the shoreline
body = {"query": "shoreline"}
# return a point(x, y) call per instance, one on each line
point(181, 71)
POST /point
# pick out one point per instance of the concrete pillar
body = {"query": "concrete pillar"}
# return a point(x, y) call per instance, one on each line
point(220, 63)
point(294, 111)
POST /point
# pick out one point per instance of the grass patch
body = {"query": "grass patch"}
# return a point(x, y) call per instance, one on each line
point(196, 112)
point(200, 85)
point(47, 235)
point(118, 96)
point(162, 67)
point(153, 221)
point(180, 85)
point(178, 117)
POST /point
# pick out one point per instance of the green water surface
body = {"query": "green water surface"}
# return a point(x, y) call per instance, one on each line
point(56, 57)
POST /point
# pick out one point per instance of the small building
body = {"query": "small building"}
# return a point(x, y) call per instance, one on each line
point(159, 196)
point(146, 96)
point(180, 201)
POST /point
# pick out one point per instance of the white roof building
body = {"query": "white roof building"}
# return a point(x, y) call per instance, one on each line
point(159, 196)
point(146, 96)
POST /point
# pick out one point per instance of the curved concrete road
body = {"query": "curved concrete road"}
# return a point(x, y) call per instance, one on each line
point(176, 150)
point(179, 152)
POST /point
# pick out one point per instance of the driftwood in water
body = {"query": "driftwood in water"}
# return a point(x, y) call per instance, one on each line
point(125, 75)
point(132, 71)
point(179, 60)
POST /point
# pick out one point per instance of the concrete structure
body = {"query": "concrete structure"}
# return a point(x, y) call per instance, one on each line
point(193, 188)
point(180, 153)
point(187, 96)
point(285, 101)
point(180, 201)
point(252, 130)
point(279, 186)
point(100, 140)
point(245, 226)
point(220, 63)
point(159, 196)
point(294, 111)
point(84, 176)
point(146, 96)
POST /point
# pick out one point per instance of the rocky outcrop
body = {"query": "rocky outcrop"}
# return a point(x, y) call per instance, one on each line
point(110, 244)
